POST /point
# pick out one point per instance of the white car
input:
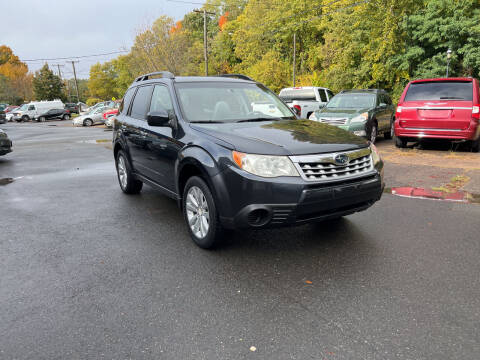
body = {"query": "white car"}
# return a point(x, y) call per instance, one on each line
point(305, 100)
point(91, 118)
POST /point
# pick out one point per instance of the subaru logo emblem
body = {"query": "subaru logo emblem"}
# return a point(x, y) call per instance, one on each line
point(341, 159)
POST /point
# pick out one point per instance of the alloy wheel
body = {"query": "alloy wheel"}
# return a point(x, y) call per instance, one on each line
point(373, 134)
point(122, 172)
point(197, 212)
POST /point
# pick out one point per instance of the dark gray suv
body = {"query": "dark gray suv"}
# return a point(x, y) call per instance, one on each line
point(235, 156)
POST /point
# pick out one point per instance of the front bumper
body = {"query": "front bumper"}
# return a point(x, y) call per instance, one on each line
point(262, 203)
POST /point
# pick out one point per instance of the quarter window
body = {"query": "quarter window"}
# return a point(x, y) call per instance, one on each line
point(141, 102)
point(127, 99)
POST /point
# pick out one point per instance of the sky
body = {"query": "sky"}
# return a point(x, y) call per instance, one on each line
point(39, 29)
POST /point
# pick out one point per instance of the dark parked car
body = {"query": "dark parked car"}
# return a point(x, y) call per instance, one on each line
point(5, 143)
point(72, 107)
point(366, 113)
point(200, 141)
point(63, 114)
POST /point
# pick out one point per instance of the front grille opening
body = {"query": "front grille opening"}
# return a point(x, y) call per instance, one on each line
point(328, 171)
point(342, 182)
point(352, 207)
point(333, 121)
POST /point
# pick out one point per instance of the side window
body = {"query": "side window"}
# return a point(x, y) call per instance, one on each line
point(380, 99)
point(388, 100)
point(323, 96)
point(31, 107)
point(127, 99)
point(330, 94)
point(141, 102)
point(161, 99)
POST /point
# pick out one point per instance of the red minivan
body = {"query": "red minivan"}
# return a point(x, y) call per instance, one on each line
point(445, 108)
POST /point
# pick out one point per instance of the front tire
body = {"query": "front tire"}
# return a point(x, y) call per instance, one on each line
point(201, 214)
point(126, 179)
point(87, 122)
point(41, 119)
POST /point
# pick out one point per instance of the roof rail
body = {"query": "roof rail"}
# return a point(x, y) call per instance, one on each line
point(237, 76)
point(164, 74)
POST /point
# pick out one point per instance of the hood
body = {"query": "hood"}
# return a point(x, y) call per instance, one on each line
point(286, 137)
point(341, 113)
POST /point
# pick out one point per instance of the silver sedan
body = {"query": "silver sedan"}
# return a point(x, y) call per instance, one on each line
point(91, 118)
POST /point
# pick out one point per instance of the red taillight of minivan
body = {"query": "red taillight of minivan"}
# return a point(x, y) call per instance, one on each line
point(476, 112)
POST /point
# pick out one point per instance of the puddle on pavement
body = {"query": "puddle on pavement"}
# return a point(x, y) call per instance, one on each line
point(6, 181)
point(429, 194)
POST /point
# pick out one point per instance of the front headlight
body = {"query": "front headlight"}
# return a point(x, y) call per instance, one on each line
point(265, 165)
point(375, 155)
point(360, 118)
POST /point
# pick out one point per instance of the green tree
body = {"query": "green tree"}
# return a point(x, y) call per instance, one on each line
point(47, 85)
point(440, 25)
point(102, 82)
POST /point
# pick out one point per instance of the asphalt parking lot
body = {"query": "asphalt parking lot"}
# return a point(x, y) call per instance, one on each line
point(90, 273)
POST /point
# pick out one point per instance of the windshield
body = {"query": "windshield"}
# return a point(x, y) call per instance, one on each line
point(229, 102)
point(440, 90)
point(352, 101)
point(23, 107)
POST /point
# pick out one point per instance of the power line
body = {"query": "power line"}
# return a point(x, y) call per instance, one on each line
point(77, 57)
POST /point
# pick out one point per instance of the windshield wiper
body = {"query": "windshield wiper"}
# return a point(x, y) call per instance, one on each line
point(206, 122)
point(451, 98)
point(258, 119)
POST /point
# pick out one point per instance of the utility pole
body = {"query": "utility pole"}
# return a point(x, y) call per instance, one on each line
point(294, 56)
point(75, 77)
point(60, 76)
point(205, 44)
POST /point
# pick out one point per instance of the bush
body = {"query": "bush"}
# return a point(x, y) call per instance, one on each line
point(93, 101)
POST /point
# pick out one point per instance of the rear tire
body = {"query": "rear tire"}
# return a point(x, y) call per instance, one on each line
point(475, 146)
point(201, 214)
point(126, 179)
point(400, 142)
point(66, 117)
point(391, 133)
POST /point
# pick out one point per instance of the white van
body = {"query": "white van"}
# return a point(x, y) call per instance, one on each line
point(34, 109)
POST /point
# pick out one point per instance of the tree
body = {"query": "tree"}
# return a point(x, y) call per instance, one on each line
point(102, 81)
point(47, 85)
point(440, 25)
point(16, 82)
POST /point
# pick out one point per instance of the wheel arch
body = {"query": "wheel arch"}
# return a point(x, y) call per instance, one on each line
point(195, 161)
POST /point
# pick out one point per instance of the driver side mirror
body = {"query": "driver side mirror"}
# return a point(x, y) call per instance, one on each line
point(383, 105)
point(158, 118)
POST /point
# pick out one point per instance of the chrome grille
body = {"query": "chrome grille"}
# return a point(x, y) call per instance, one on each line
point(334, 121)
point(323, 167)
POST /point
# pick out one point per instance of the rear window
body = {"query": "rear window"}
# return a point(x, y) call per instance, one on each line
point(297, 94)
point(445, 90)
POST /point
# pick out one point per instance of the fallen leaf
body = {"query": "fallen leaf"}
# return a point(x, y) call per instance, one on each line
point(253, 348)
point(308, 282)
